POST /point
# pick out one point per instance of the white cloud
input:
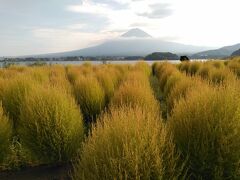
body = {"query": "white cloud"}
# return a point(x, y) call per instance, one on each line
point(89, 7)
point(205, 22)
point(57, 40)
point(211, 23)
point(78, 26)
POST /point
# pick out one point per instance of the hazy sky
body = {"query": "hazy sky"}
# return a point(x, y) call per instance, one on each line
point(42, 26)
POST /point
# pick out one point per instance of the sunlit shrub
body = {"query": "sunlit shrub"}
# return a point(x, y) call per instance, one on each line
point(108, 81)
point(90, 96)
point(128, 143)
point(204, 71)
point(7, 73)
point(135, 91)
point(58, 79)
point(181, 90)
point(17, 68)
point(87, 69)
point(72, 73)
point(163, 72)
point(144, 67)
point(5, 134)
point(218, 76)
point(172, 81)
point(2, 85)
point(38, 74)
point(206, 130)
point(235, 67)
point(194, 67)
point(217, 64)
point(51, 126)
point(13, 95)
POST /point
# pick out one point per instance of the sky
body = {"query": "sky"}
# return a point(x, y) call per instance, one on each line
point(44, 26)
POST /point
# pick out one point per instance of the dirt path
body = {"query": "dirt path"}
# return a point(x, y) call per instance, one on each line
point(60, 172)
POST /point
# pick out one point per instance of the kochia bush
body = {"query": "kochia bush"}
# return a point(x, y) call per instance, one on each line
point(14, 94)
point(206, 129)
point(5, 134)
point(90, 96)
point(136, 91)
point(51, 126)
point(128, 143)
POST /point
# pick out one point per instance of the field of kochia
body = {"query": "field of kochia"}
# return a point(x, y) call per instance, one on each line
point(165, 121)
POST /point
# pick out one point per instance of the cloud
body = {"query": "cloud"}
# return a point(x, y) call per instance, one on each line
point(88, 7)
point(114, 4)
point(139, 24)
point(158, 11)
point(47, 40)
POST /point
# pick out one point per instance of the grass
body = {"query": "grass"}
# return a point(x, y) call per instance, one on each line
point(144, 67)
point(206, 131)
point(127, 143)
point(90, 96)
point(219, 76)
point(136, 91)
point(204, 71)
point(181, 90)
point(51, 126)
point(163, 72)
point(13, 95)
point(167, 121)
point(234, 66)
point(5, 134)
point(108, 80)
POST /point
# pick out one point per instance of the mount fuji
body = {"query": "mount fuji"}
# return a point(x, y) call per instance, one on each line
point(135, 42)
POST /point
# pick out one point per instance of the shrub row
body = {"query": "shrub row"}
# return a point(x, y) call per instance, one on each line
point(206, 131)
point(128, 143)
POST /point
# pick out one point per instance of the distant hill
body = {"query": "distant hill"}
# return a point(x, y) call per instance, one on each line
point(217, 53)
point(132, 43)
point(162, 56)
point(236, 53)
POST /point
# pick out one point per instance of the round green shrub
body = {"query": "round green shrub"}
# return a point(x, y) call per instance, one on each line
point(136, 91)
point(223, 75)
point(108, 81)
point(128, 143)
point(13, 95)
point(206, 129)
point(51, 126)
point(90, 96)
point(234, 66)
point(144, 67)
point(204, 71)
point(194, 67)
point(181, 89)
point(218, 64)
point(172, 81)
point(163, 72)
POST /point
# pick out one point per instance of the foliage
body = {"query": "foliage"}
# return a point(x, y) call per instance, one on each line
point(128, 143)
point(51, 125)
point(206, 130)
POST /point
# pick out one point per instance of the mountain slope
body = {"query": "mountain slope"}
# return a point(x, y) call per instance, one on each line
point(131, 47)
point(132, 43)
point(217, 53)
point(236, 53)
